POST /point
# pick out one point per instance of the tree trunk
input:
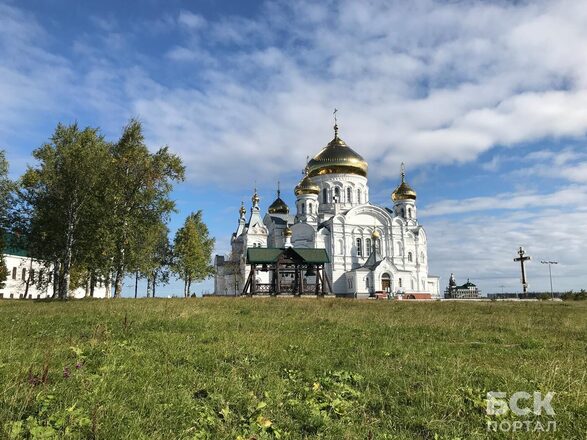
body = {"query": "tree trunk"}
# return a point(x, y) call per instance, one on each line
point(136, 284)
point(149, 290)
point(118, 283)
point(27, 282)
point(64, 288)
point(108, 286)
point(154, 285)
point(92, 283)
point(189, 286)
point(55, 280)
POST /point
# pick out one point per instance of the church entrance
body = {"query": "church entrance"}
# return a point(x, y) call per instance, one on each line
point(385, 282)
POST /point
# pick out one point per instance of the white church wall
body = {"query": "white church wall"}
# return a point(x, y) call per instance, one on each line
point(25, 270)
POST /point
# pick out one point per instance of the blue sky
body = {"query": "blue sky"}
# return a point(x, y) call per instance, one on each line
point(486, 103)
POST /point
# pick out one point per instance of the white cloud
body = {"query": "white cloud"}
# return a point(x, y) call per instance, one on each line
point(569, 197)
point(420, 82)
point(483, 248)
point(424, 82)
point(191, 20)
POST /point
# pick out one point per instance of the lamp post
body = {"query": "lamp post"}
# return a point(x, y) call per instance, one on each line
point(550, 263)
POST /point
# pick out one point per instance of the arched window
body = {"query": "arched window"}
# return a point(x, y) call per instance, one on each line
point(311, 208)
point(403, 212)
point(324, 195)
point(399, 282)
point(14, 273)
point(359, 196)
point(340, 247)
point(24, 274)
point(400, 250)
point(410, 257)
point(377, 244)
point(359, 247)
point(303, 208)
point(368, 246)
point(337, 194)
point(409, 212)
point(349, 195)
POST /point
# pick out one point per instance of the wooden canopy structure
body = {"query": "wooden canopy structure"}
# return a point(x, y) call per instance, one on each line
point(290, 270)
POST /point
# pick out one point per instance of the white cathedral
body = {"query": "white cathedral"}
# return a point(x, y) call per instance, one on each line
point(367, 250)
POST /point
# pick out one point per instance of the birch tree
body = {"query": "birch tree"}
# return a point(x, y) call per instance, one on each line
point(192, 252)
point(60, 191)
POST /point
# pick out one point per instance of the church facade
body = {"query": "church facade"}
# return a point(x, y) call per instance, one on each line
point(371, 249)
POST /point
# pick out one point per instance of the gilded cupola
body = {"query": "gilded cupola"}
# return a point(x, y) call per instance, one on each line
point(403, 191)
point(337, 158)
point(306, 186)
point(278, 206)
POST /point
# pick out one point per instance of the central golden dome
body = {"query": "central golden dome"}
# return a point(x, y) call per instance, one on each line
point(337, 158)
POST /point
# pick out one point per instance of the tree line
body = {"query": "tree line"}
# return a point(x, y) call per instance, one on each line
point(95, 212)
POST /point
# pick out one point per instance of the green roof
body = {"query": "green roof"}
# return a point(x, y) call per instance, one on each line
point(10, 241)
point(270, 255)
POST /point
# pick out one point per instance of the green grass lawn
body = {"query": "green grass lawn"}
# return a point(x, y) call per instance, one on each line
point(285, 368)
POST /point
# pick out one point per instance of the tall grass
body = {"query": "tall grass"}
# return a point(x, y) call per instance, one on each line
point(284, 368)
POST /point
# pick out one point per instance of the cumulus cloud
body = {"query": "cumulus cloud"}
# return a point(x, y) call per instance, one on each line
point(420, 82)
point(191, 20)
point(569, 197)
point(483, 248)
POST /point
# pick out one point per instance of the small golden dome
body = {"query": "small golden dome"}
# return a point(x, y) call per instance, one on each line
point(337, 158)
point(375, 235)
point(287, 232)
point(242, 211)
point(255, 199)
point(278, 206)
point(403, 191)
point(306, 186)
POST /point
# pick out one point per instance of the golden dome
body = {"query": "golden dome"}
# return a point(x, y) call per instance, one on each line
point(375, 234)
point(287, 232)
point(306, 186)
point(403, 191)
point(337, 157)
point(255, 199)
point(278, 206)
point(242, 211)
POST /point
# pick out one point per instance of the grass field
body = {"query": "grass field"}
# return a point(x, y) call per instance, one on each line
point(285, 368)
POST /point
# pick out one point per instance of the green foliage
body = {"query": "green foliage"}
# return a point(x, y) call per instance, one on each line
point(192, 251)
point(239, 368)
point(139, 200)
point(3, 268)
point(575, 296)
point(62, 193)
point(92, 209)
point(6, 203)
